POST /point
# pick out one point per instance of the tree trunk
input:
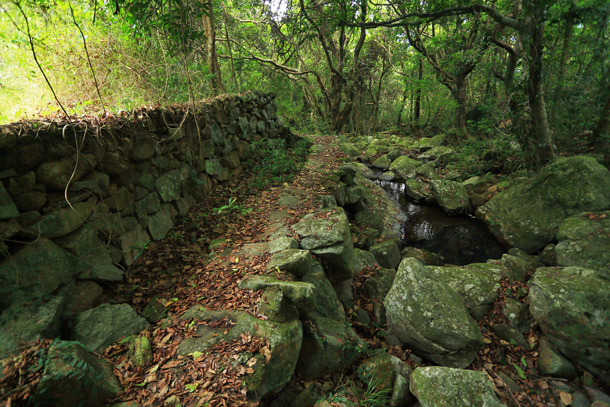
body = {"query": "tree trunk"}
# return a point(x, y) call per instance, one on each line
point(417, 104)
point(210, 33)
point(543, 148)
point(603, 125)
point(461, 97)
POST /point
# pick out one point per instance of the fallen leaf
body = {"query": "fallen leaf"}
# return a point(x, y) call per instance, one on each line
point(566, 398)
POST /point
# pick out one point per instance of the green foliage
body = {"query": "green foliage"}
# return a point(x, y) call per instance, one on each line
point(275, 162)
point(141, 247)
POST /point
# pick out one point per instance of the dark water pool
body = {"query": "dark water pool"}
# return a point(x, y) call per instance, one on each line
point(459, 239)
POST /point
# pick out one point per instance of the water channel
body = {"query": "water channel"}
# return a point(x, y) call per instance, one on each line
point(459, 240)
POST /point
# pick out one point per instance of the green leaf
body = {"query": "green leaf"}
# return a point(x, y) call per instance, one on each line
point(520, 371)
point(524, 362)
point(196, 354)
point(191, 387)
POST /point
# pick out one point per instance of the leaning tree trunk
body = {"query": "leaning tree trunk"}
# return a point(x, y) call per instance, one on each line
point(543, 148)
point(603, 125)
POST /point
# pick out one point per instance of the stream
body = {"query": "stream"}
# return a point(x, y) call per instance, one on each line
point(459, 240)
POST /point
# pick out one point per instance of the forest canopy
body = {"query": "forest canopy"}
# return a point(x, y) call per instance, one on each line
point(532, 72)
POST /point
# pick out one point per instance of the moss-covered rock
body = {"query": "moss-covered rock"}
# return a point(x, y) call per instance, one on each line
point(284, 344)
point(294, 261)
point(301, 294)
point(417, 189)
point(584, 240)
point(437, 386)
point(424, 313)
point(140, 351)
point(528, 215)
point(451, 196)
point(326, 233)
point(477, 283)
point(404, 167)
point(328, 345)
point(441, 154)
point(382, 162)
point(387, 253)
point(572, 307)
point(326, 299)
point(73, 377)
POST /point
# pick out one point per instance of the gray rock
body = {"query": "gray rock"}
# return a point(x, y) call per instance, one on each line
point(437, 386)
point(426, 143)
point(451, 196)
point(370, 219)
point(378, 286)
point(294, 261)
point(284, 345)
point(64, 221)
point(282, 243)
point(584, 240)
point(160, 223)
point(476, 185)
point(326, 298)
point(477, 283)
point(301, 294)
point(427, 315)
point(510, 335)
point(404, 167)
point(30, 201)
point(85, 295)
point(517, 315)
point(39, 269)
point(147, 205)
point(133, 244)
point(382, 162)
point(85, 244)
point(327, 235)
point(73, 377)
point(144, 146)
point(328, 345)
point(364, 259)
point(119, 199)
point(528, 215)
point(572, 307)
point(8, 209)
point(417, 189)
point(387, 253)
point(26, 323)
point(168, 186)
point(552, 363)
point(56, 174)
point(442, 154)
point(100, 327)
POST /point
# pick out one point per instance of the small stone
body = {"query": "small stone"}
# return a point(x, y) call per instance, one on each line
point(140, 351)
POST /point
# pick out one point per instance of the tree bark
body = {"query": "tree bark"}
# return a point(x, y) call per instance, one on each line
point(603, 125)
point(210, 33)
point(417, 104)
point(543, 147)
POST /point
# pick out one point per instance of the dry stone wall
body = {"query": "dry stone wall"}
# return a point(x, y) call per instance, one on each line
point(79, 200)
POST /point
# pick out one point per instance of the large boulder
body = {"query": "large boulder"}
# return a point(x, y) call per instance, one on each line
point(284, 345)
point(86, 245)
point(477, 283)
point(404, 167)
point(25, 323)
point(300, 293)
point(326, 299)
point(452, 196)
point(387, 253)
point(39, 269)
point(326, 233)
point(328, 345)
point(584, 240)
point(74, 377)
point(424, 313)
point(437, 386)
point(572, 307)
point(64, 221)
point(100, 327)
point(528, 215)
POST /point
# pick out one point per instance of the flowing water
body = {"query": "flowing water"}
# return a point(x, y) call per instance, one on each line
point(459, 239)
